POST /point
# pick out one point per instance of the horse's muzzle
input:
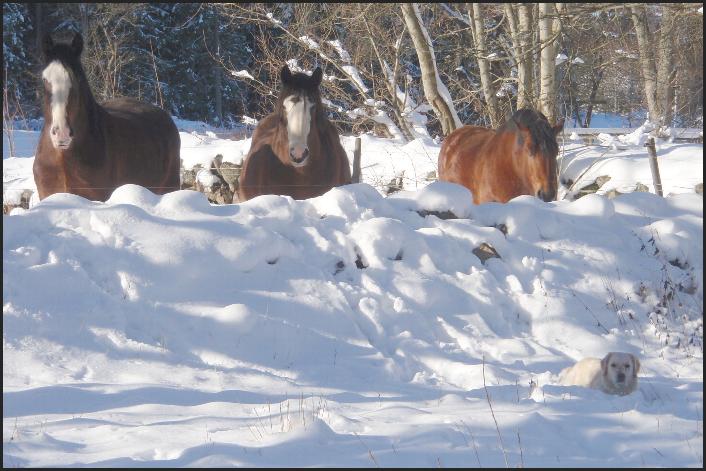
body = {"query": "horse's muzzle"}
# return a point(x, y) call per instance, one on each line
point(546, 195)
point(61, 137)
point(298, 159)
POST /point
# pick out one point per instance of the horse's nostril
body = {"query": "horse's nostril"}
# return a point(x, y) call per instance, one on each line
point(303, 155)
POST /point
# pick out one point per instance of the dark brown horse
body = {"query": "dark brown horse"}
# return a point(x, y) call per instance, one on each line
point(89, 149)
point(517, 159)
point(296, 150)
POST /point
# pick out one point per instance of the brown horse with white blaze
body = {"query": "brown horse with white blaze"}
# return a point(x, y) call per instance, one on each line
point(517, 159)
point(89, 149)
point(295, 150)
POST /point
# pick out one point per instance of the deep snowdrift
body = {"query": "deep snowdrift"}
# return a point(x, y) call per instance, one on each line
point(349, 329)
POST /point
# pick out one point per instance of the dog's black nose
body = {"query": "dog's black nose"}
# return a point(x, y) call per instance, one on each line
point(621, 377)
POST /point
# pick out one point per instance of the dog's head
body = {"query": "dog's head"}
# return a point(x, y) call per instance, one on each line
point(619, 372)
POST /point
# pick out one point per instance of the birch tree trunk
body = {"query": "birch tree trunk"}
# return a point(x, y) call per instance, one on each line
point(665, 72)
point(525, 89)
point(548, 31)
point(434, 89)
point(647, 61)
point(486, 81)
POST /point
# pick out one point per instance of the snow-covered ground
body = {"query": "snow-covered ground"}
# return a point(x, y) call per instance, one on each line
point(355, 329)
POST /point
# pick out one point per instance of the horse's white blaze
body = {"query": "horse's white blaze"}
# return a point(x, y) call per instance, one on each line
point(298, 124)
point(60, 82)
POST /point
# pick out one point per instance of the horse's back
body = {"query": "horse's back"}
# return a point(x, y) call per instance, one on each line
point(144, 117)
point(459, 150)
point(342, 172)
point(145, 143)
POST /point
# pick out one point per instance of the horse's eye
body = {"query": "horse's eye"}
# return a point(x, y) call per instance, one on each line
point(627, 366)
point(295, 99)
point(613, 365)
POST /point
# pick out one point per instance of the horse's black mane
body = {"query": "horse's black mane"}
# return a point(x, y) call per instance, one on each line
point(541, 132)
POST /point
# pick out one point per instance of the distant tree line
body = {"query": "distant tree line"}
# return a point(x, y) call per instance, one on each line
point(387, 67)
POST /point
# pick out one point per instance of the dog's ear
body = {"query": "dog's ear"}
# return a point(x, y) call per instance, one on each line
point(636, 365)
point(604, 364)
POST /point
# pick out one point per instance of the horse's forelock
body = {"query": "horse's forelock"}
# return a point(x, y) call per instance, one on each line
point(541, 132)
point(289, 89)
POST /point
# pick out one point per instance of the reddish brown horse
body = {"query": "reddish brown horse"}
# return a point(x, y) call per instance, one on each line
point(517, 159)
point(296, 150)
point(90, 149)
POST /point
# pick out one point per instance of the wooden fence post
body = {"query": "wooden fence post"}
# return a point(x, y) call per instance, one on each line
point(355, 178)
point(652, 151)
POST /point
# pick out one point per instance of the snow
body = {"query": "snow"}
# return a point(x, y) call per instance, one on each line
point(249, 121)
point(242, 74)
point(679, 170)
point(25, 142)
point(342, 53)
point(355, 329)
point(274, 20)
point(197, 148)
point(355, 77)
point(309, 42)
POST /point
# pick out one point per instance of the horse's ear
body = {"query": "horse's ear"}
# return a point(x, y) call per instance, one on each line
point(47, 44)
point(558, 127)
point(285, 74)
point(77, 44)
point(316, 76)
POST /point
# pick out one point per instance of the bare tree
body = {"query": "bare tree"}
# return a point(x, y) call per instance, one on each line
point(367, 51)
point(434, 89)
point(549, 29)
point(489, 92)
point(647, 61)
point(525, 73)
point(657, 72)
point(665, 69)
